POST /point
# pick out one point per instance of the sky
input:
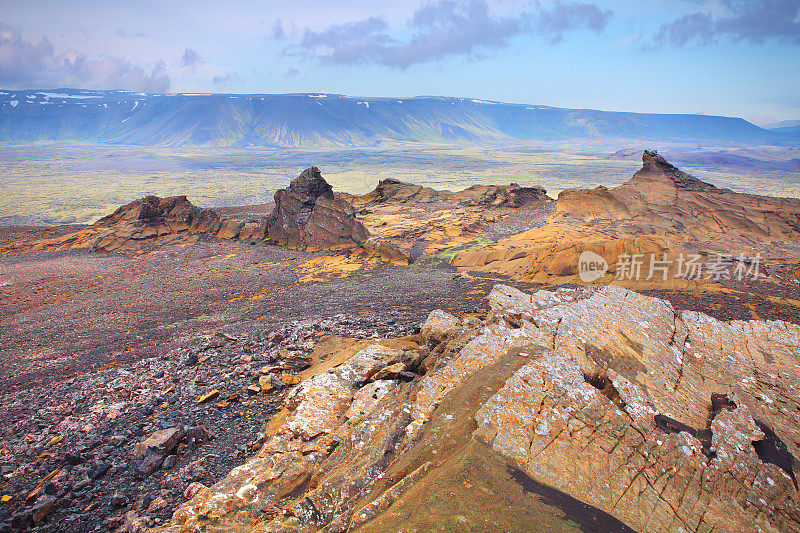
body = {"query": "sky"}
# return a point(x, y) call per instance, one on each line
point(722, 57)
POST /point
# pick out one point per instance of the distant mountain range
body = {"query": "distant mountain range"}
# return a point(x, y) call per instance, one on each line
point(783, 124)
point(310, 120)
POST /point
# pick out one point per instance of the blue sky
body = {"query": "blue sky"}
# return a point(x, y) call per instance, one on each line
point(723, 57)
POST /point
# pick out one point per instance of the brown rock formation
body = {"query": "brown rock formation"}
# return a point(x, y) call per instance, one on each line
point(308, 216)
point(661, 199)
point(659, 210)
point(416, 219)
point(391, 190)
point(669, 421)
point(176, 212)
point(150, 219)
point(509, 195)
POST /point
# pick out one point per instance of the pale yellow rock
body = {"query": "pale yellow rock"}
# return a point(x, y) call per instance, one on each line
point(438, 324)
point(208, 396)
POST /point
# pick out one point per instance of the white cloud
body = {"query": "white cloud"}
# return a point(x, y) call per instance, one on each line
point(28, 64)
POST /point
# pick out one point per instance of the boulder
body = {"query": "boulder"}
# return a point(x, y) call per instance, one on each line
point(392, 371)
point(43, 508)
point(165, 440)
point(438, 325)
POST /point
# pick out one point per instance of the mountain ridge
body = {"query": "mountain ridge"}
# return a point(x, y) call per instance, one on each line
point(327, 119)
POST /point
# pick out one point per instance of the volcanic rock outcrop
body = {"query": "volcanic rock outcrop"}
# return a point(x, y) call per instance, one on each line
point(391, 190)
point(307, 216)
point(147, 220)
point(659, 210)
point(663, 420)
point(661, 199)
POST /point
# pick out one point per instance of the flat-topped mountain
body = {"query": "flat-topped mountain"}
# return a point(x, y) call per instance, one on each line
point(291, 120)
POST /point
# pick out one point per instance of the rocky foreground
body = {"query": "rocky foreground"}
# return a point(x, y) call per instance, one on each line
point(663, 420)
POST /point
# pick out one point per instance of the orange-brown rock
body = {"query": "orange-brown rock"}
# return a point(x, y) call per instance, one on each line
point(156, 219)
point(495, 195)
point(149, 220)
point(306, 216)
point(621, 414)
point(395, 191)
point(438, 325)
point(391, 190)
point(660, 199)
point(659, 210)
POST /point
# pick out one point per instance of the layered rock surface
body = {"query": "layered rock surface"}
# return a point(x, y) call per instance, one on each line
point(659, 210)
point(308, 216)
point(664, 420)
point(146, 220)
point(391, 190)
point(661, 199)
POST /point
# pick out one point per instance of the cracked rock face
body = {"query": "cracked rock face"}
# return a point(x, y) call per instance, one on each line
point(149, 219)
point(662, 420)
point(604, 446)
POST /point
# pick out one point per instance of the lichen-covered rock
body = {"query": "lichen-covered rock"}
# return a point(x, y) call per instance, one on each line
point(321, 414)
point(584, 418)
point(566, 433)
point(665, 420)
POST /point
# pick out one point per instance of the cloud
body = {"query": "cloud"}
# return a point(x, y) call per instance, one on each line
point(191, 58)
point(277, 32)
point(445, 28)
point(291, 73)
point(20, 59)
point(125, 35)
point(27, 64)
point(449, 28)
point(361, 41)
point(226, 79)
point(563, 18)
point(694, 28)
point(753, 22)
